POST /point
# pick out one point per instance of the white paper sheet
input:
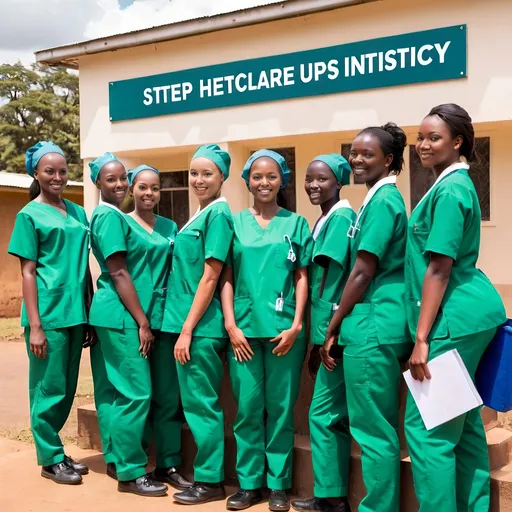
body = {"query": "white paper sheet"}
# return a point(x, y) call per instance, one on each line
point(448, 394)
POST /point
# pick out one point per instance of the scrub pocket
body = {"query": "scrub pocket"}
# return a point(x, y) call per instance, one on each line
point(355, 329)
point(188, 246)
point(243, 312)
point(439, 329)
point(321, 314)
point(57, 304)
point(284, 318)
point(107, 310)
point(281, 254)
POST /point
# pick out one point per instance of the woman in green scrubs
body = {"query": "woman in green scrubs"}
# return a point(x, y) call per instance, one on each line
point(450, 305)
point(264, 295)
point(328, 415)
point(119, 313)
point(165, 417)
point(51, 239)
point(193, 315)
point(371, 315)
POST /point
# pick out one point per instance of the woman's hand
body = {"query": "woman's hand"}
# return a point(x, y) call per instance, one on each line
point(90, 338)
point(418, 361)
point(285, 341)
point(241, 347)
point(331, 339)
point(38, 342)
point(146, 339)
point(182, 348)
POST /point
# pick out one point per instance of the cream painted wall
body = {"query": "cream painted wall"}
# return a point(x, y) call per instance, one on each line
point(486, 93)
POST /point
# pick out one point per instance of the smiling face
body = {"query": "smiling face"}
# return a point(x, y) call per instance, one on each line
point(52, 174)
point(367, 159)
point(321, 185)
point(265, 180)
point(205, 179)
point(113, 183)
point(435, 145)
point(146, 190)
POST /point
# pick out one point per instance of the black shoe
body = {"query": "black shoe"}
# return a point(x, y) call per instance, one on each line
point(79, 467)
point(200, 493)
point(173, 477)
point(278, 501)
point(61, 473)
point(111, 470)
point(143, 486)
point(321, 505)
point(243, 499)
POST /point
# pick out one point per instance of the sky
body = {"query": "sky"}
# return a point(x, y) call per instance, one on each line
point(30, 25)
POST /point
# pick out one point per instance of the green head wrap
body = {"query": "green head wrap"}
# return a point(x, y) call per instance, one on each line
point(216, 155)
point(268, 153)
point(338, 165)
point(138, 170)
point(98, 163)
point(36, 152)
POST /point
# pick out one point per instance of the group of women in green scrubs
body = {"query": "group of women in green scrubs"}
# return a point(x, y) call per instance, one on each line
point(369, 290)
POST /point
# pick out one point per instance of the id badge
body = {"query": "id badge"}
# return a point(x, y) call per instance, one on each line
point(279, 303)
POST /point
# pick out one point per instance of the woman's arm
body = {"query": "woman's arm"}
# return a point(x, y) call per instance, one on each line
point(202, 299)
point(122, 280)
point(287, 338)
point(434, 287)
point(90, 333)
point(241, 348)
point(38, 342)
point(361, 276)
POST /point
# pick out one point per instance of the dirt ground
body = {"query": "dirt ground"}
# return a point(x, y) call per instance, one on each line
point(14, 404)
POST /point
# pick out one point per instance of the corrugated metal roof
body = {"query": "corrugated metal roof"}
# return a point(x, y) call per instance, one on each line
point(14, 180)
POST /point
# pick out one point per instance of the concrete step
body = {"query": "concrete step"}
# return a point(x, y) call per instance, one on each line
point(499, 444)
point(501, 489)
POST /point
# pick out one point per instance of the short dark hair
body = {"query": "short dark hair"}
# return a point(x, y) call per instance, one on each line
point(392, 140)
point(460, 124)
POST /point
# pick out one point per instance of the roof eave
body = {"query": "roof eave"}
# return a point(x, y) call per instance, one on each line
point(68, 56)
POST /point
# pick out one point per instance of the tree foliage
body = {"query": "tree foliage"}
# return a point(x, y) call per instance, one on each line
point(38, 103)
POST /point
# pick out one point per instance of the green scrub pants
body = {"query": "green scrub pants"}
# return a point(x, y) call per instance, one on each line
point(199, 382)
point(104, 394)
point(52, 386)
point(165, 417)
point(450, 463)
point(329, 432)
point(373, 374)
point(272, 383)
point(130, 376)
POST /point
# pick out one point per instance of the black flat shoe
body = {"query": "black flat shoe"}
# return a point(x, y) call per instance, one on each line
point(61, 473)
point(172, 477)
point(243, 499)
point(321, 505)
point(143, 486)
point(111, 470)
point(79, 467)
point(200, 493)
point(278, 501)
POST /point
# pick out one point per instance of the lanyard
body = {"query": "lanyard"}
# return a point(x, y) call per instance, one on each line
point(199, 212)
point(322, 220)
point(354, 227)
point(457, 166)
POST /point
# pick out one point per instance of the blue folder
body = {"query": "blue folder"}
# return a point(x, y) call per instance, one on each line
point(494, 374)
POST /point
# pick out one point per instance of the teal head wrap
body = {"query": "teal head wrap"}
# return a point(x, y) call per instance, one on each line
point(280, 161)
point(138, 170)
point(98, 163)
point(338, 165)
point(216, 155)
point(37, 151)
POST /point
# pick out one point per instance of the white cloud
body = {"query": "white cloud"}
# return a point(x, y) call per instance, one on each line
point(30, 25)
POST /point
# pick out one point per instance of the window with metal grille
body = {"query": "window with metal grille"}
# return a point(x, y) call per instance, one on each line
point(422, 178)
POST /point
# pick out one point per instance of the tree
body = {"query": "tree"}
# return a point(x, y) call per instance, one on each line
point(38, 103)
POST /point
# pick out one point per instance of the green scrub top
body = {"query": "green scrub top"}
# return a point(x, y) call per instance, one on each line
point(379, 317)
point(263, 262)
point(112, 232)
point(208, 234)
point(331, 255)
point(60, 247)
point(448, 222)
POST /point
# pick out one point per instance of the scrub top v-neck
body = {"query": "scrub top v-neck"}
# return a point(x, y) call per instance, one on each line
point(263, 262)
point(59, 244)
point(207, 235)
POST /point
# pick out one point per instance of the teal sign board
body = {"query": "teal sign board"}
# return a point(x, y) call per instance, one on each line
point(426, 56)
